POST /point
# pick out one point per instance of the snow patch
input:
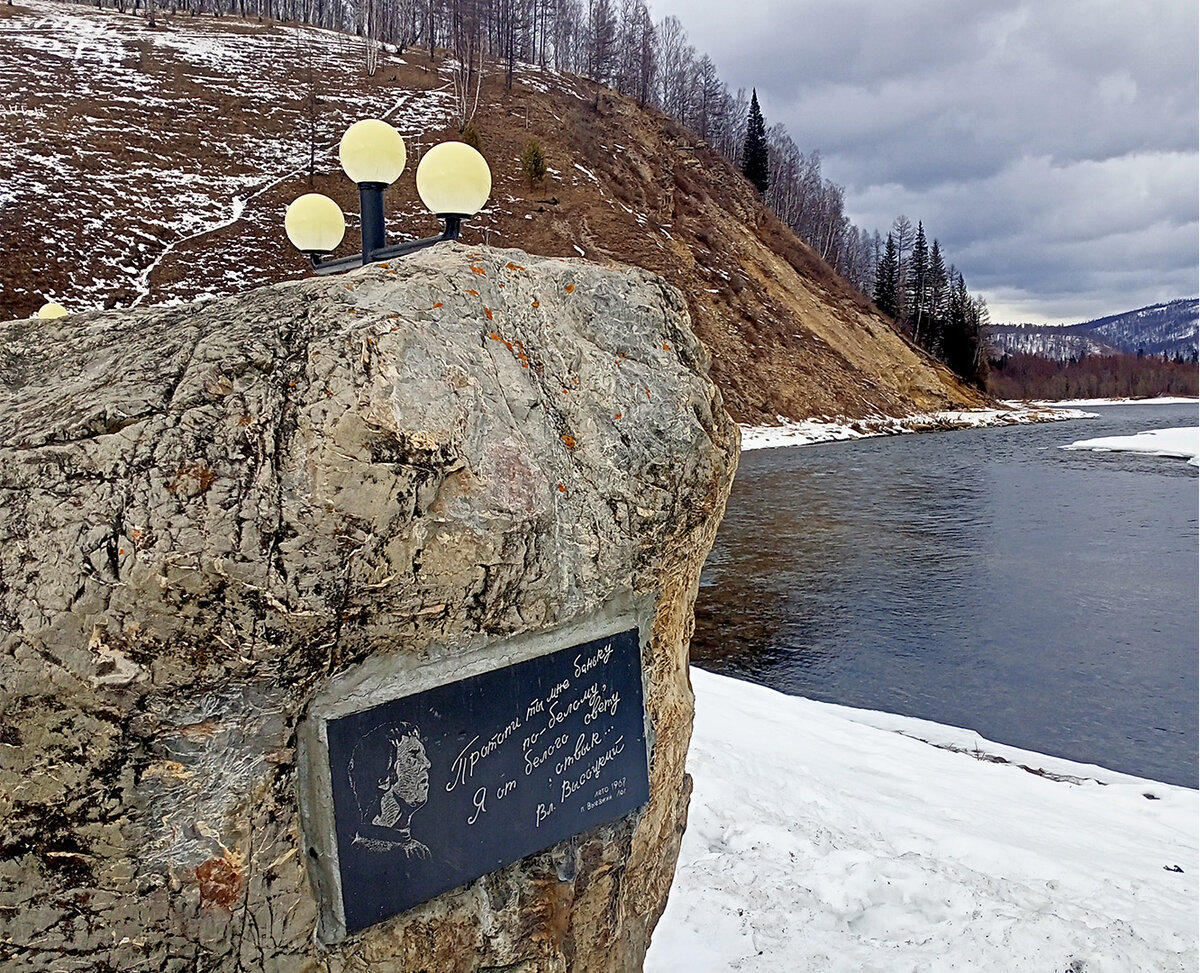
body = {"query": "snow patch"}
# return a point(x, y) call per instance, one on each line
point(806, 432)
point(1158, 400)
point(1179, 443)
point(827, 838)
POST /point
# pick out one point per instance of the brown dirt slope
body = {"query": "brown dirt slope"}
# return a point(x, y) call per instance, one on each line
point(152, 165)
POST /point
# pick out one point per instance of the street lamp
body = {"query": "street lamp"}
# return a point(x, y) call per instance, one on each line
point(453, 181)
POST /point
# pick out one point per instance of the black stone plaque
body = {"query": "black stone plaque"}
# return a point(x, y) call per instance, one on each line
point(435, 789)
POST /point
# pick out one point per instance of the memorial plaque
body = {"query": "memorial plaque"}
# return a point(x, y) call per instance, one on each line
point(435, 789)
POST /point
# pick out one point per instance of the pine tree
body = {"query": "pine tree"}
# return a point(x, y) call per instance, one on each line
point(755, 166)
point(965, 346)
point(885, 278)
point(918, 283)
point(939, 284)
point(533, 162)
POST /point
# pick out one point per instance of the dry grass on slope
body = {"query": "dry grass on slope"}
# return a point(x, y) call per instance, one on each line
point(788, 335)
point(155, 165)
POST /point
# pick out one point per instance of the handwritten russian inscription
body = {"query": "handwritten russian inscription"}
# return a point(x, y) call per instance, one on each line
point(438, 788)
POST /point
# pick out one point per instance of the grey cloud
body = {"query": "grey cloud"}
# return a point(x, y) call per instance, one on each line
point(1071, 203)
point(1080, 232)
point(1050, 146)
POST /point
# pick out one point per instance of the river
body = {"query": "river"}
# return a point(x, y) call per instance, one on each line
point(983, 578)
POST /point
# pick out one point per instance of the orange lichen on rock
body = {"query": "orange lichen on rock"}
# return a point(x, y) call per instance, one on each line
point(192, 478)
point(488, 312)
point(512, 266)
point(220, 882)
point(570, 441)
point(570, 288)
point(473, 293)
point(516, 347)
point(479, 270)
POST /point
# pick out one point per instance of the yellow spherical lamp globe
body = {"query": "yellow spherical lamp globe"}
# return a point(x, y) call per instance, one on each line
point(314, 223)
point(52, 309)
point(453, 179)
point(372, 151)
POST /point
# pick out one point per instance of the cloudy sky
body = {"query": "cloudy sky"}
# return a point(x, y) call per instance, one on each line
point(1050, 145)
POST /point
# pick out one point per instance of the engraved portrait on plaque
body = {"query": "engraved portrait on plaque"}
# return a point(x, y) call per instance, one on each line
point(389, 774)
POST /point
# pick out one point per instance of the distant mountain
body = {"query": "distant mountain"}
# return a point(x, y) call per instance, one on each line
point(1049, 341)
point(1173, 328)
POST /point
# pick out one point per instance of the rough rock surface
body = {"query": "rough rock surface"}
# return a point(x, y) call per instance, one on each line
point(208, 510)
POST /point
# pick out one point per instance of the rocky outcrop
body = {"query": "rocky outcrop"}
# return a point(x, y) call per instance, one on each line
point(210, 511)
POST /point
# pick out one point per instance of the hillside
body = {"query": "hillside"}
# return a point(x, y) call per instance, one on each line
point(146, 165)
point(1171, 329)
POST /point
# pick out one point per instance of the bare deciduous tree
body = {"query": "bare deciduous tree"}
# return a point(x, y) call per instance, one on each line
point(468, 52)
point(601, 41)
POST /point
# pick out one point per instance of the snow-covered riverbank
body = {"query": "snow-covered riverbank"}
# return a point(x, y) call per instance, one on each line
point(1178, 442)
point(833, 839)
point(1088, 403)
point(805, 432)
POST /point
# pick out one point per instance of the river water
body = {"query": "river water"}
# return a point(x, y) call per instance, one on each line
point(984, 578)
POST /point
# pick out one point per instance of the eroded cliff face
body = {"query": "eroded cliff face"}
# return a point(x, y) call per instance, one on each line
point(211, 510)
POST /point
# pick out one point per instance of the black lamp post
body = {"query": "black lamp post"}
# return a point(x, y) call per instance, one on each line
point(453, 181)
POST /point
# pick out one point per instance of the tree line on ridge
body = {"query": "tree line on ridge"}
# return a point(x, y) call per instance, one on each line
point(1022, 375)
point(929, 299)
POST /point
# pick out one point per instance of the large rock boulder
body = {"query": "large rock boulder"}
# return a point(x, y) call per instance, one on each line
point(211, 511)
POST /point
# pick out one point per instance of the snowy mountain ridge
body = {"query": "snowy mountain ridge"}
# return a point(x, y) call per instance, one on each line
point(1171, 328)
